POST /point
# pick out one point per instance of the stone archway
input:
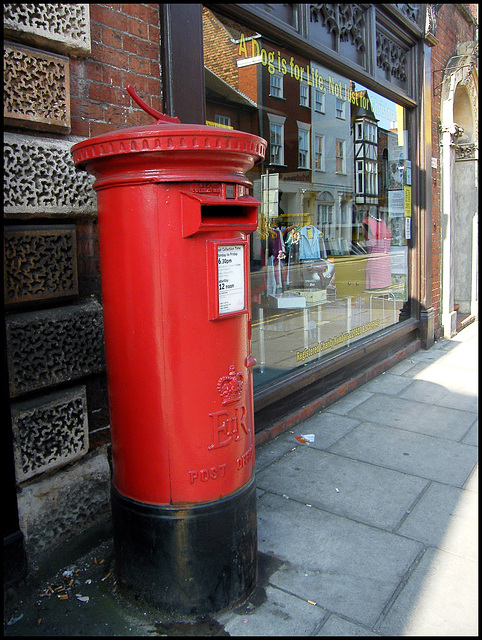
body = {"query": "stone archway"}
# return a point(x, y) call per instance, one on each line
point(459, 163)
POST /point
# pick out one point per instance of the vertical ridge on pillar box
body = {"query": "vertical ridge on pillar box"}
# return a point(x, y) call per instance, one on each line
point(175, 216)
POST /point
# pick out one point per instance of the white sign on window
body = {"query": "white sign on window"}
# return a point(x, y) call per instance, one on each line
point(231, 278)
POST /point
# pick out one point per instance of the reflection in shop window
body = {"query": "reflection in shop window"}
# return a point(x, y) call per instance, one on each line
point(275, 144)
point(276, 85)
point(384, 174)
point(319, 152)
point(319, 101)
point(303, 145)
point(340, 156)
point(329, 260)
point(325, 209)
point(370, 132)
point(223, 121)
point(360, 176)
point(371, 168)
point(276, 139)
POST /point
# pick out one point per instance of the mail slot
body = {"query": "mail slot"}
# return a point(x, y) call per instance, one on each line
point(175, 216)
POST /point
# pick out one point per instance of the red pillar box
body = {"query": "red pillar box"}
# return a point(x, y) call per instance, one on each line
point(174, 218)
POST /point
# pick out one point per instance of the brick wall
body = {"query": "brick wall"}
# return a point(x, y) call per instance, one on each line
point(125, 49)
point(125, 41)
point(453, 28)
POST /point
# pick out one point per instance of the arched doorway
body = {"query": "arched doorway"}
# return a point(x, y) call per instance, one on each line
point(459, 163)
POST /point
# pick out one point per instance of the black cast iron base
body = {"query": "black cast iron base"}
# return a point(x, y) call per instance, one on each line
point(194, 559)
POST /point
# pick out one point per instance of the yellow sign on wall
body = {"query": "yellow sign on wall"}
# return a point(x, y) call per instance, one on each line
point(407, 201)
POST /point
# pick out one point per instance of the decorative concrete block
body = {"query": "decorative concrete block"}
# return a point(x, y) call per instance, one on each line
point(49, 432)
point(40, 178)
point(53, 346)
point(36, 89)
point(40, 263)
point(58, 27)
point(53, 508)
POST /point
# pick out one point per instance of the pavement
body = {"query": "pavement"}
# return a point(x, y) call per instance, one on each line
point(367, 526)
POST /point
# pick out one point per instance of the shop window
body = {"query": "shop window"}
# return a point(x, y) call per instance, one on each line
point(329, 260)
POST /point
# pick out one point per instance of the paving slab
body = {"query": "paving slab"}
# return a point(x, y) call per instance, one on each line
point(440, 599)
point(461, 401)
point(462, 383)
point(281, 614)
point(435, 353)
point(403, 367)
point(387, 383)
point(472, 435)
point(349, 402)
point(356, 490)
point(464, 357)
point(337, 626)
point(447, 518)
point(472, 483)
point(325, 426)
point(443, 373)
point(424, 456)
point(414, 416)
point(270, 452)
point(437, 394)
point(344, 566)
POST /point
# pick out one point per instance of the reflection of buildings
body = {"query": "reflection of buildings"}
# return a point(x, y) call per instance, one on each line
point(226, 107)
point(332, 159)
point(272, 78)
point(306, 123)
point(328, 158)
point(365, 133)
point(228, 103)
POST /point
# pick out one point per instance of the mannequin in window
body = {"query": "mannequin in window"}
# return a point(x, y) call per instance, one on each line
point(377, 243)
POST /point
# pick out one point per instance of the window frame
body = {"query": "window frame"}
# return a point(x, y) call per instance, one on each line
point(340, 113)
point(277, 121)
point(304, 128)
point(218, 119)
point(340, 143)
point(306, 97)
point(316, 93)
point(277, 76)
point(319, 153)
